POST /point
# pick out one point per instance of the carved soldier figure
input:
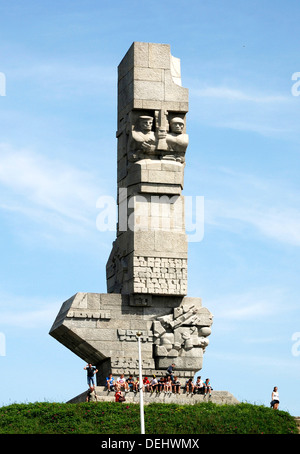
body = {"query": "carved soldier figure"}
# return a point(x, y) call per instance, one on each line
point(142, 143)
point(177, 141)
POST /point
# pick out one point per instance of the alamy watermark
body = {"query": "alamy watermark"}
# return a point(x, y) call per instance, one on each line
point(2, 84)
point(148, 213)
point(296, 86)
point(296, 344)
point(2, 345)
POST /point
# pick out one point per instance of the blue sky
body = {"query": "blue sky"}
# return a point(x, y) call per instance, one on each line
point(58, 156)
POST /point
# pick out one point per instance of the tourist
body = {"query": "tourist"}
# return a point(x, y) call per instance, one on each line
point(146, 384)
point(110, 383)
point(275, 398)
point(207, 388)
point(154, 384)
point(119, 397)
point(136, 385)
point(189, 386)
point(170, 371)
point(176, 386)
point(122, 383)
point(199, 386)
point(161, 384)
point(91, 371)
point(89, 395)
point(130, 382)
point(168, 385)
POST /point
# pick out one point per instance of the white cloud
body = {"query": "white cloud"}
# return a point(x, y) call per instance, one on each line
point(249, 305)
point(61, 79)
point(247, 109)
point(28, 319)
point(24, 312)
point(254, 303)
point(267, 206)
point(281, 224)
point(47, 190)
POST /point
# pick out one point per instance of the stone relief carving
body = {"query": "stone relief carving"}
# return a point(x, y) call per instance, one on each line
point(89, 314)
point(137, 299)
point(181, 331)
point(130, 364)
point(117, 267)
point(130, 335)
point(156, 137)
point(160, 275)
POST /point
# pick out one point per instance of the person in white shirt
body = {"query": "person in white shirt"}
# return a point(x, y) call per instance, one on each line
point(154, 384)
point(275, 398)
point(122, 383)
point(199, 386)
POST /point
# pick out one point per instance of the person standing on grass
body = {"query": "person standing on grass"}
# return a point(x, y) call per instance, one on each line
point(275, 398)
point(91, 371)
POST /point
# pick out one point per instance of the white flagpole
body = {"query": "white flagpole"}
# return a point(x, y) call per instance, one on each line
point(141, 385)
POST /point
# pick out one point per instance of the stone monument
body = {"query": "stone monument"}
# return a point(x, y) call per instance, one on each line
point(147, 268)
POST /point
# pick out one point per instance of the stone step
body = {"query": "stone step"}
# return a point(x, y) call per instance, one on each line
point(101, 394)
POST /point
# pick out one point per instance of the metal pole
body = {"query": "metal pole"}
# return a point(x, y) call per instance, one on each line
point(141, 385)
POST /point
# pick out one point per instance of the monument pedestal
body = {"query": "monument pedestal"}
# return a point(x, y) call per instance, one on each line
point(101, 329)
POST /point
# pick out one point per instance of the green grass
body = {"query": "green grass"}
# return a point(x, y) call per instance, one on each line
point(116, 418)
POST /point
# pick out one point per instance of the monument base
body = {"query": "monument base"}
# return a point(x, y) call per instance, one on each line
point(102, 330)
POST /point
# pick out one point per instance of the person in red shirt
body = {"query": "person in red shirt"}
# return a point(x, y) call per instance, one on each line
point(119, 397)
point(146, 383)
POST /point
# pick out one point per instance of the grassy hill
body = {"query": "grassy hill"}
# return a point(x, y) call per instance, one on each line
point(123, 418)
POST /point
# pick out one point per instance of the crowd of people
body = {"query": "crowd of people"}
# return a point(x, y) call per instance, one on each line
point(167, 384)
